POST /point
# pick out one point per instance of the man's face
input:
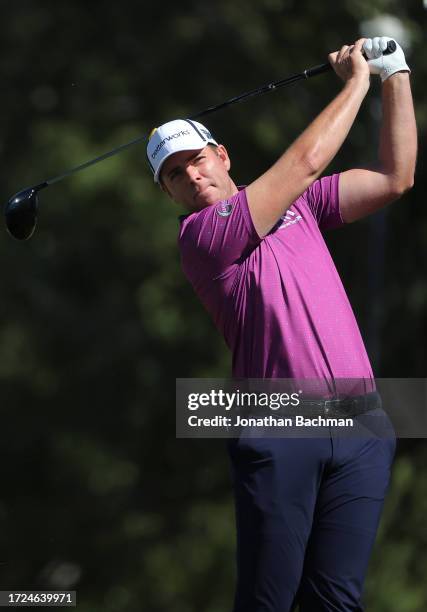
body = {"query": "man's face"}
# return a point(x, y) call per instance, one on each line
point(197, 179)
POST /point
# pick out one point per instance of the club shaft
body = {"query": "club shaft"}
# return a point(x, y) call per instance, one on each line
point(266, 89)
point(260, 90)
point(91, 162)
point(310, 72)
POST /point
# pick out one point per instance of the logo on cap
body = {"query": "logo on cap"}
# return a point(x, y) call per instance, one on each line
point(166, 139)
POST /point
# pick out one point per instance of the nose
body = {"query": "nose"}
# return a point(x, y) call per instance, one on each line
point(192, 173)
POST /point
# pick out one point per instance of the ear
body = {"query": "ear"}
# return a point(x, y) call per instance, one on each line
point(222, 153)
point(166, 190)
point(163, 187)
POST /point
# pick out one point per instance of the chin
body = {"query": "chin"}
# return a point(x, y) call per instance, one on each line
point(200, 203)
point(195, 207)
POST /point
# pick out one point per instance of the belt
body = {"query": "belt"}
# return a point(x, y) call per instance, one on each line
point(349, 406)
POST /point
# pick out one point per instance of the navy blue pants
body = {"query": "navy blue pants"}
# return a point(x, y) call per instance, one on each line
point(307, 513)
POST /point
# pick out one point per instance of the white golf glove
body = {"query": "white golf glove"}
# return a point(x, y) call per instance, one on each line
point(384, 65)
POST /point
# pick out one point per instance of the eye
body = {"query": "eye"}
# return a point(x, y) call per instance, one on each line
point(174, 174)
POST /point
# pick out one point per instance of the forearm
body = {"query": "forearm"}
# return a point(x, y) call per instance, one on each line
point(320, 142)
point(398, 137)
point(272, 193)
point(305, 159)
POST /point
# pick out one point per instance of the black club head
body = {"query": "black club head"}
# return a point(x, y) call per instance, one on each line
point(21, 213)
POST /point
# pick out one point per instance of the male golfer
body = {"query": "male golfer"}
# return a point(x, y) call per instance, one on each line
point(307, 508)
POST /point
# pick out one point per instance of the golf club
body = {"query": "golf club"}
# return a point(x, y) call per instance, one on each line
point(21, 209)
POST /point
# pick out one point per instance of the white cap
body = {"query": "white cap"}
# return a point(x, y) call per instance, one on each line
point(174, 136)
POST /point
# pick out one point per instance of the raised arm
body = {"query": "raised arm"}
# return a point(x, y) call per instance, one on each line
point(272, 193)
point(363, 191)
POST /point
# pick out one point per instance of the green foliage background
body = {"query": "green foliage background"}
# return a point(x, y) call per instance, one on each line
point(97, 320)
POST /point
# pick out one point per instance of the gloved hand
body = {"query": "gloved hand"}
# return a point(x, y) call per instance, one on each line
point(384, 65)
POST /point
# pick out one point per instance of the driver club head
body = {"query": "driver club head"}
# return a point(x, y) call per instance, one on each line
point(21, 213)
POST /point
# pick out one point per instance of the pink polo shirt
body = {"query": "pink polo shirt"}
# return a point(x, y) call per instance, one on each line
point(278, 300)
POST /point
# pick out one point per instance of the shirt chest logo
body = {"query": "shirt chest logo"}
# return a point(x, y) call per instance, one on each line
point(224, 208)
point(289, 218)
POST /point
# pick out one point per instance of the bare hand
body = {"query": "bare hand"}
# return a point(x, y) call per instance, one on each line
point(349, 62)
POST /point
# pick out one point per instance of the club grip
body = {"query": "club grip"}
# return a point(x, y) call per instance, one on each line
point(391, 48)
point(310, 72)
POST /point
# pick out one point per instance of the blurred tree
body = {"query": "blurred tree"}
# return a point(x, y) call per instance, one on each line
point(97, 320)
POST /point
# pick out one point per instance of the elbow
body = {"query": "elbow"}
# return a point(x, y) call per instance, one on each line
point(312, 166)
point(409, 184)
point(315, 160)
point(400, 187)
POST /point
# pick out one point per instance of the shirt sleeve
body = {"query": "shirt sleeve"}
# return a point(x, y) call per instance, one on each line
point(323, 199)
point(215, 240)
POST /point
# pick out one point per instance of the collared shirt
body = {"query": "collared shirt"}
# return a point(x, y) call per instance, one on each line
point(278, 301)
